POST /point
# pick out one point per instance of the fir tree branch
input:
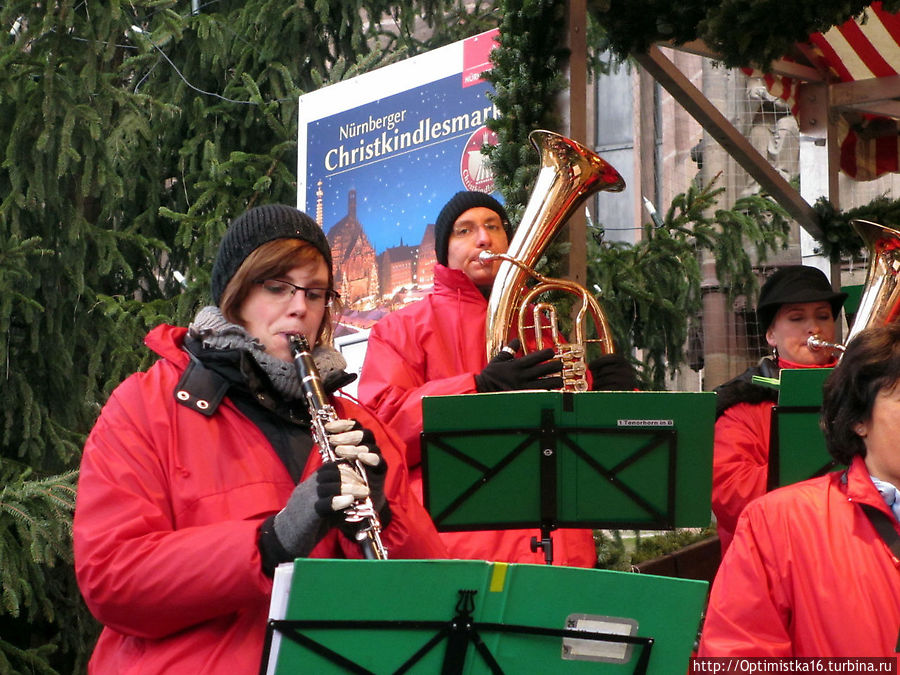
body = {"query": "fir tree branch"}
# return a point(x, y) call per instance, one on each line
point(651, 290)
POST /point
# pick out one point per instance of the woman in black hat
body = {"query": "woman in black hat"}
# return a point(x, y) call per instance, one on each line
point(795, 303)
point(200, 475)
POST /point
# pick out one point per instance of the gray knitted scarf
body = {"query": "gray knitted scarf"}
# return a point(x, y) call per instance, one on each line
point(215, 332)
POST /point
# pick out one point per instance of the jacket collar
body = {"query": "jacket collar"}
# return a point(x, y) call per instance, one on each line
point(784, 363)
point(455, 283)
point(859, 486)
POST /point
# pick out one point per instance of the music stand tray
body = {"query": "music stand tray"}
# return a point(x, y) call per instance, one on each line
point(796, 444)
point(638, 460)
point(464, 616)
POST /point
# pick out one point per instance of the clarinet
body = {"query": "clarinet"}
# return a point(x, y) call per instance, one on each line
point(362, 512)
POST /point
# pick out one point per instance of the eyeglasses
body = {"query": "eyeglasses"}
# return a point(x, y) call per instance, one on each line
point(467, 228)
point(282, 291)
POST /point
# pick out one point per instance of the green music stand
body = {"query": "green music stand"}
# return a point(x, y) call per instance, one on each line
point(549, 460)
point(796, 444)
point(469, 617)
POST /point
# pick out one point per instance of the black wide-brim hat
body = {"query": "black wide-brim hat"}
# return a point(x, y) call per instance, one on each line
point(792, 284)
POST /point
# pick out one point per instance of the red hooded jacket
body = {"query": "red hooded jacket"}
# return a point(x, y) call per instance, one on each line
point(169, 506)
point(807, 575)
point(435, 347)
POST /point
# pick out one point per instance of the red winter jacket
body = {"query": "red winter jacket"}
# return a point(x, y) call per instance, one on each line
point(740, 463)
point(741, 453)
point(807, 575)
point(436, 347)
point(166, 522)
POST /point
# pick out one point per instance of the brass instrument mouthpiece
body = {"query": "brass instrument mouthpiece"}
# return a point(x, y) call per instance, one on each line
point(815, 343)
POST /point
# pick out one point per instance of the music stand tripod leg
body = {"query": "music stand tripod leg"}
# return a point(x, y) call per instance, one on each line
point(548, 469)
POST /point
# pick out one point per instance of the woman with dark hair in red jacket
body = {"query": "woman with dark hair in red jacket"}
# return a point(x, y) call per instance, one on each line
point(201, 474)
point(811, 571)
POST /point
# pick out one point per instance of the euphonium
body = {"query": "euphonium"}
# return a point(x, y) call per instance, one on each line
point(880, 300)
point(569, 174)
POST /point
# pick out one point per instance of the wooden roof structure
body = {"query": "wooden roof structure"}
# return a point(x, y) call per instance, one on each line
point(843, 86)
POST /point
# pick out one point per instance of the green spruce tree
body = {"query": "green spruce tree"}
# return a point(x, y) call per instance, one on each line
point(131, 134)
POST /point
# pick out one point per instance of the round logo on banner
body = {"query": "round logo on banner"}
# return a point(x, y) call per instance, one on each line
point(473, 167)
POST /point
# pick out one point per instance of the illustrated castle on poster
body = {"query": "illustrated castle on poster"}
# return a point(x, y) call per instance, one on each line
point(370, 282)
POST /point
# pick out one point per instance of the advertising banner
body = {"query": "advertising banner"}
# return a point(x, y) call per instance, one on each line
point(379, 155)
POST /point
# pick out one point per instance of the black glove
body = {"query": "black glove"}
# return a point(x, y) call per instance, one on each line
point(613, 372)
point(505, 372)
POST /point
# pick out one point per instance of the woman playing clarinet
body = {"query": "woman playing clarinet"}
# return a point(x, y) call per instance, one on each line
point(201, 474)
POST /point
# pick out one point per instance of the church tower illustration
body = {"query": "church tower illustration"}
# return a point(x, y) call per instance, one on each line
point(355, 271)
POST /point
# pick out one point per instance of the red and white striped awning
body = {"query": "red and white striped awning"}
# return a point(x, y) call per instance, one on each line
point(863, 50)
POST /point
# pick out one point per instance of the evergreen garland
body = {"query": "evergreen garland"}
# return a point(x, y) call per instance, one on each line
point(651, 290)
point(657, 545)
point(614, 553)
point(840, 240)
point(743, 32)
point(527, 76)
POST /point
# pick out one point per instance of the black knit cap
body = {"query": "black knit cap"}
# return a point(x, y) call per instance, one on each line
point(459, 204)
point(795, 283)
point(256, 227)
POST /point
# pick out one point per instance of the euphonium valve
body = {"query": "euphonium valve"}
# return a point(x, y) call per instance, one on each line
point(544, 320)
point(569, 174)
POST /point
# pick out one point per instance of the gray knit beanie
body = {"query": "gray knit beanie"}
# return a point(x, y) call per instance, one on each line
point(256, 227)
point(459, 204)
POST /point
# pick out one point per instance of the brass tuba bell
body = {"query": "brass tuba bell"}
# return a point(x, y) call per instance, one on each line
point(880, 300)
point(569, 174)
